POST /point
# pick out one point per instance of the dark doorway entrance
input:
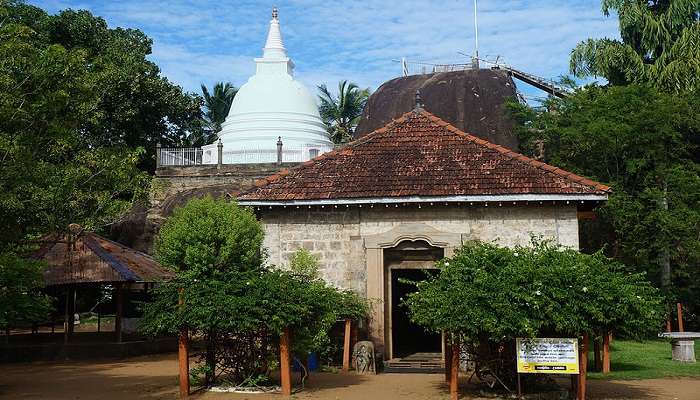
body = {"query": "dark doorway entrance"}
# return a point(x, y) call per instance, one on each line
point(408, 338)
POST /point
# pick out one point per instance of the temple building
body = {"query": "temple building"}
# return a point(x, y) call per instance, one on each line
point(391, 203)
point(271, 112)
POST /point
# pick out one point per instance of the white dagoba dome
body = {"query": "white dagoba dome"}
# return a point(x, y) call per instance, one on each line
point(269, 108)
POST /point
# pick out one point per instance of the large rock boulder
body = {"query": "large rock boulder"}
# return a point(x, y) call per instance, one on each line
point(471, 100)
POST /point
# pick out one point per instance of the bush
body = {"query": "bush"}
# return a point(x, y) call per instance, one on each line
point(239, 306)
point(487, 296)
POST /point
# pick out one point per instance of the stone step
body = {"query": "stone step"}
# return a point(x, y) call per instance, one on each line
point(425, 363)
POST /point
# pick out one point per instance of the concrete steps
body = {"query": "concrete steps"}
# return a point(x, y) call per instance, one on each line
point(421, 363)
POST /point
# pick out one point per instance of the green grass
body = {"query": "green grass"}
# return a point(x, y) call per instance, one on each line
point(644, 360)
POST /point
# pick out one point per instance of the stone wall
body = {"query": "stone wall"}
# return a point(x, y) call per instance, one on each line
point(174, 186)
point(338, 236)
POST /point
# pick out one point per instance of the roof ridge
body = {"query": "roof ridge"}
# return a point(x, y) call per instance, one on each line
point(100, 237)
point(514, 155)
point(364, 139)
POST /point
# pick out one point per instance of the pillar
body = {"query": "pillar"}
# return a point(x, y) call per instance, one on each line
point(606, 352)
point(120, 312)
point(219, 154)
point(279, 150)
point(285, 363)
point(183, 356)
point(583, 366)
point(346, 346)
point(454, 370)
point(447, 356)
point(679, 308)
point(158, 151)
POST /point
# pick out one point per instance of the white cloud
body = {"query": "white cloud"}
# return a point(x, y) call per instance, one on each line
point(329, 40)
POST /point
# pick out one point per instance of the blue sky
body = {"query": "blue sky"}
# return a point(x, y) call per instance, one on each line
point(329, 40)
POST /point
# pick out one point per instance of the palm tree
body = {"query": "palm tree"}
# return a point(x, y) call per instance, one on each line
point(341, 113)
point(659, 45)
point(217, 104)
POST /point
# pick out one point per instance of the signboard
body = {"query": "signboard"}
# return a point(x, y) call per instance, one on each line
point(547, 356)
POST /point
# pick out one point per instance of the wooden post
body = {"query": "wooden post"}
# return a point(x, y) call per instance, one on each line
point(583, 366)
point(183, 356)
point(520, 387)
point(606, 352)
point(120, 313)
point(454, 370)
point(448, 357)
point(598, 361)
point(668, 325)
point(346, 346)
point(66, 317)
point(285, 359)
point(679, 307)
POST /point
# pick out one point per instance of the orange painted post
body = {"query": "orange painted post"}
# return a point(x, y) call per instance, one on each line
point(346, 346)
point(680, 317)
point(606, 352)
point(448, 359)
point(583, 366)
point(183, 357)
point(668, 325)
point(454, 373)
point(597, 356)
point(285, 360)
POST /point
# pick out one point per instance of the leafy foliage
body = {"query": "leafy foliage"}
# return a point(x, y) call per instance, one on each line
point(342, 113)
point(20, 300)
point(659, 45)
point(61, 160)
point(98, 79)
point(496, 293)
point(217, 105)
point(231, 299)
point(644, 143)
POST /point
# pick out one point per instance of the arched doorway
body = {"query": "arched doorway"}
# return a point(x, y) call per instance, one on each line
point(409, 260)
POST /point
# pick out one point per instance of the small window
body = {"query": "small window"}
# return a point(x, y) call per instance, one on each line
point(313, 153)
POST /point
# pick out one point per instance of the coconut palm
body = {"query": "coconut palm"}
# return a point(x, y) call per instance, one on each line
point(341, 113)
point(659, 45)
point(217, 104)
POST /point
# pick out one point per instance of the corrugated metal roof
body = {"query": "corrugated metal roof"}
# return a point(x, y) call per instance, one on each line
point(90, 258)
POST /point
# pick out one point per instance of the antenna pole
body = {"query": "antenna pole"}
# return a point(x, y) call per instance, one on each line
point(476, 38)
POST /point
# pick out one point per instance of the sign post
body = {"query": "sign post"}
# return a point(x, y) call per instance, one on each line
point(546, 356)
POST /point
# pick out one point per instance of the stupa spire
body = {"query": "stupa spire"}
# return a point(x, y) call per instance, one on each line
point(274, 48)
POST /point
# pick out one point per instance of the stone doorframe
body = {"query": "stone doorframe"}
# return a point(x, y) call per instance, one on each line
point(374, 252)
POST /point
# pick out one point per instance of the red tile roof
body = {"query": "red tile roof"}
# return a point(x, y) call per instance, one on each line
point(419, 155)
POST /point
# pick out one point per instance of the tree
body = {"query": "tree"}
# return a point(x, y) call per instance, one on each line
point(644, 143)
point(486, 296)
point(217, 105)
point(55, 169)
point(125, 100)
point(341, 113)
point(659, 45)
point(231, 299)
point(20, 299)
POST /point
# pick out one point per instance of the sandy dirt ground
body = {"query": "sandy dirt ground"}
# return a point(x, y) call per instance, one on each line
point(154, 377)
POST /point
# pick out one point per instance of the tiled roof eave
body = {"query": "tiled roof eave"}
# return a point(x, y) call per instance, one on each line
point(525, 197)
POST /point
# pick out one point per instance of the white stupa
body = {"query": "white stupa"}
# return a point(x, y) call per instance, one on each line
point(271, 106)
